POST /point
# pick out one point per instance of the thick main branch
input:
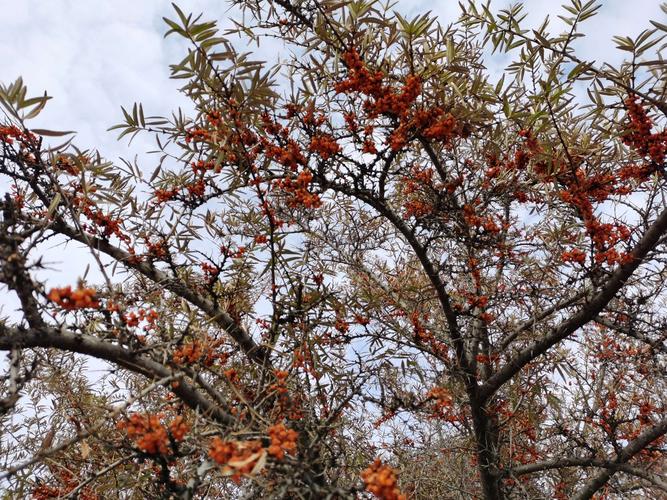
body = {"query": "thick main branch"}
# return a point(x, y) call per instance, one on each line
point(12, 337)
point(222, 318)
point(587, 313)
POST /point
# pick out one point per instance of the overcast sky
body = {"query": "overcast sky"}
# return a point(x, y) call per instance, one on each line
point(93, 56)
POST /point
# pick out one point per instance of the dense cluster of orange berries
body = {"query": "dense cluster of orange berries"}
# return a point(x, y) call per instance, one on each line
point(289, 155)
point(433, 123)
point(150, 435)
point(418, 178)
point(197, 351)
point(360, 79)
point(211, 272)
point(283, 440)
point(178, 429)
point(284, 406)
point(67, 483)
point(242, 458)
point(188, 353)
point(574, 255)
point(442, 404)
point(299, 190)
point(325, 145)
point(639, 136)
point(341, 324)
point(132, 319)
point(197, 135)
point(287, 152)
point(148, 432)
point(67, 165)
point(164, 195)
point(70, 300)
point(280, 386)
point(157, 248)
point(10, 133)
point(197, 188)
point(237, 458)
point(417, 187)
point(417, 208)
point(7, 134)
point(361, 319)
point(381, 480)
point(103, 224)
point(581, 189)
point(423, 336)
point(201, 166)
point(303, 358)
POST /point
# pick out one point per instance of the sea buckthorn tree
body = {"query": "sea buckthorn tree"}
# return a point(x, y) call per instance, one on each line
point(374, 269)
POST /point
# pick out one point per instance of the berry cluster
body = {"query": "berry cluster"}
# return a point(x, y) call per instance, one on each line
point(67, 482)
point(237, 458)
point(9, 133)
point(197, 351)
point(70, 300)
point(67, 165)
point(639, 136)
point(103, 225)
point(442, 402)
point(299, 190)
point(385, 100)
point(245, 458)
point(381, 480)
point(150, 435)
point(325, 145)
point(283, 440)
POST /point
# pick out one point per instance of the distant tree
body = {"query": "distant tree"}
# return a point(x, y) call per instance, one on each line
point(395, 274)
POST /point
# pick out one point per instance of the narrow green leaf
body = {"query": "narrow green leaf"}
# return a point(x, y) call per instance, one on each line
point(51, 133)
point(54, 204)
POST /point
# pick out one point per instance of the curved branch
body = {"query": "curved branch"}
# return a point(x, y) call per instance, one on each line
point(542, 315)
point(256, 353)
point(632, 333)
point(563, 463)
point(421, 253)
point(633, 448)
point(93, 477)
point(482, 424)
point(588, 313)
point(12, 337)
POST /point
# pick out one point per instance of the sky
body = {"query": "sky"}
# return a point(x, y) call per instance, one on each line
point(93, 56)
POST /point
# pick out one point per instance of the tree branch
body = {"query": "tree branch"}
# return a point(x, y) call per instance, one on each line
point(588, 313)
point(12, 337)
point(542, 315)
point(629, 451)
point(256, 353)
point(564, 463)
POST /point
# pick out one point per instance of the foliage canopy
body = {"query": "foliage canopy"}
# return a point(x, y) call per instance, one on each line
point(373, 269)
